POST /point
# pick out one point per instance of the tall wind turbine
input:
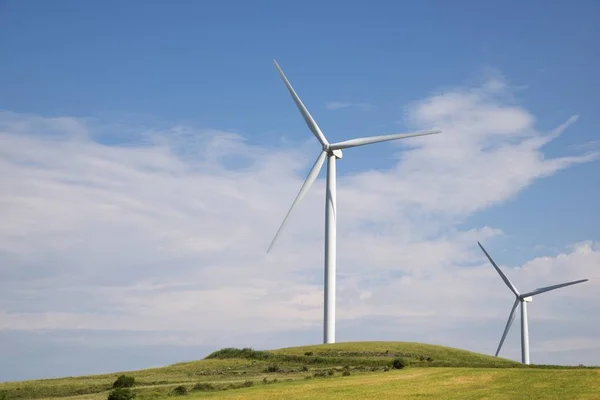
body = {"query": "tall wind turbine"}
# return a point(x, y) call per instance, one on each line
point(332, 152)
point(523, 299)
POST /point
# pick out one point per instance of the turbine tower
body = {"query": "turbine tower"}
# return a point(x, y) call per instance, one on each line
point(332, 152)
point(523, 299)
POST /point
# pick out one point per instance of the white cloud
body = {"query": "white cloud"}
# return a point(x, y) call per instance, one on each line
point(591, 145)
point(338, 105)
point(169, 232)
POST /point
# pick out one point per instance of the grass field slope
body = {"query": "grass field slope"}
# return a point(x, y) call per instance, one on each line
point(354, 370)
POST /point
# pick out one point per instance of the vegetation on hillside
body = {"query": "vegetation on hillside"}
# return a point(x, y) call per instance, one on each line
point(247, 372)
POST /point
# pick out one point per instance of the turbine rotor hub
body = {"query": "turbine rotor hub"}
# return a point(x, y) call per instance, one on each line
point(337, 152)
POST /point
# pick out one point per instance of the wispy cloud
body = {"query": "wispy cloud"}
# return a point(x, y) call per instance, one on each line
point(591, 145)
point(167, 234)
point(338, 105)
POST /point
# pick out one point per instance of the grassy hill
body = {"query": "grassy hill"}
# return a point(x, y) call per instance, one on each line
point(348, 370)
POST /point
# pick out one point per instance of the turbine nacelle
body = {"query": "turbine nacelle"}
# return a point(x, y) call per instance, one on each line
point(337, 153)
point(527, 299)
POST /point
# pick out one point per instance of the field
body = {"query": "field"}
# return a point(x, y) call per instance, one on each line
point(359, 370)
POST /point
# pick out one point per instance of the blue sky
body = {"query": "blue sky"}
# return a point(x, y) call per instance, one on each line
point(102, 102)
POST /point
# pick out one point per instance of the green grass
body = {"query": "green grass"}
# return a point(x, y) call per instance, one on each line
point(436, 383)
point(318, 372)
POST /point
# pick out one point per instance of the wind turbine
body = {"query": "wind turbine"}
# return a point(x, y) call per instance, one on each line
point(523, 299)
point(331, 151)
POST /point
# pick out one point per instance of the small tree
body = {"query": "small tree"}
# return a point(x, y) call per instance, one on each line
point(121, 394)
point(180, 391)
point(124, 381)
point(398, 363)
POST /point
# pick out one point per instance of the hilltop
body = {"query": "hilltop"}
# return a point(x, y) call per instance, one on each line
point(261, 374)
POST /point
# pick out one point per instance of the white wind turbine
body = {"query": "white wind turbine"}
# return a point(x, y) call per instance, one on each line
point(523, 299)
point(331, 152)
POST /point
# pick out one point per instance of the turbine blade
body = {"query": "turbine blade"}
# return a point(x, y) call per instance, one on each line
point(549, 288)
point(377, 139)
point(312, 176)
point(511, 318)
point(504, 278)
point(312, 125)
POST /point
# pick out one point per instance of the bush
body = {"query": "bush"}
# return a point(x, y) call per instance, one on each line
point(180, 391)
point(273, 368)
point(203, 387)
point(399, 363)
point(246, 352)
point(308, 353)
point(304, 368)
point(346, 373)
point(121, 394)
point(330, 372)
point(124, 381)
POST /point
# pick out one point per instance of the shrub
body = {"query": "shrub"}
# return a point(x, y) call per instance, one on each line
point(330, 372)
point(180, 391)
point(346, 373)
point(203, 386)
point(429, 359)
point(124, 381)
point(121, 394)
point(273, 368)
point(308, 353)
point(242, 385)
point(398, 363)
point(319, 374)
point(304, 368)
point(246, 352)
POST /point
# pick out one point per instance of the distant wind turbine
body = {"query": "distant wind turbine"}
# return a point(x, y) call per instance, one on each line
point(331, 152)
point(523, 299)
